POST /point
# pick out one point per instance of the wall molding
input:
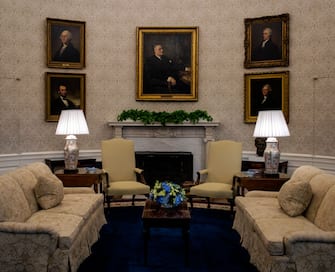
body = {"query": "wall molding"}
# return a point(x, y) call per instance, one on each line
point(11, 161)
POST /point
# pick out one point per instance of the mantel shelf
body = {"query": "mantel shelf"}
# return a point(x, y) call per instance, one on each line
point(203, 130)
point(185, 124)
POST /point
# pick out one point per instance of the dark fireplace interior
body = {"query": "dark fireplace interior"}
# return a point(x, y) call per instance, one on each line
point(173, 166)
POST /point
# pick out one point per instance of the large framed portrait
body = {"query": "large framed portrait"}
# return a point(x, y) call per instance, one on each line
point(63, 91)
point(265, 91)
point(167, 64)
point(65, 44)
point(267, 41)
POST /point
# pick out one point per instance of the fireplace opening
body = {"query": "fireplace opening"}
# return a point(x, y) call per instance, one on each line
point(173, 166)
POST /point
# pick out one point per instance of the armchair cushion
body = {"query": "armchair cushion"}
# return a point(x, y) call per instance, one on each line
point(294, 197)
point(49, 191)
point(127, 188)
point(213, 189)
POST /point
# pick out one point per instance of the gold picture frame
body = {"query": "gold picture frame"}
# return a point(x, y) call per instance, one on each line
point(65, 44)
point(72, 89)
point(172, 76)
point(266, 41)
point(275, 86)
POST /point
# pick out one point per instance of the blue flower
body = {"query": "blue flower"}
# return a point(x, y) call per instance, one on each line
point(167, 194)
point(166, 187)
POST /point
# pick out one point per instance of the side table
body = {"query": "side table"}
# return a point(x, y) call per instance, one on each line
point(258, 182)
point(81, 179)
point(255, 163)
point(55, 164)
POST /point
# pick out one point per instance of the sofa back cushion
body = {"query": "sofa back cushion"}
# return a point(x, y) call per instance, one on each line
point(39, 169)
point(27, 180)
point(305, 173)
point(324, 201)
point(320, 185)
point(14, 206)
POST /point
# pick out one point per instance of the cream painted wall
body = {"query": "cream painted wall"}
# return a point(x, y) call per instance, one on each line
point(111, 67)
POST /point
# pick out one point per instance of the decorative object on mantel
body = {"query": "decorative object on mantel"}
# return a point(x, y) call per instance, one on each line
point(176, 117)
point(167, 194)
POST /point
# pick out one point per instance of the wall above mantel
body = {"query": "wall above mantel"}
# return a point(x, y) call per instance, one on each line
point(111, 70)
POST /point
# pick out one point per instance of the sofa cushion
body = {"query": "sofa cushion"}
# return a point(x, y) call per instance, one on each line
point(13, 203)
point(260, 207)
point(294, 197)
point(325, 218)
point(49, 191)
point(82, 205)
point(67, 226)
point(272, 231)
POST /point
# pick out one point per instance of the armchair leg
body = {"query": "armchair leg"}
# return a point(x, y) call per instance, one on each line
point(208, 202)
point(133, 200)
point(232, 203)
point(191, 200)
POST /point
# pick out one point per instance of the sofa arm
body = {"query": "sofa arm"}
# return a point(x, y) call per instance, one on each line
point(261, 194)
point(310, 237)
point(311, 251)
point(26, 228)
point(26, 247)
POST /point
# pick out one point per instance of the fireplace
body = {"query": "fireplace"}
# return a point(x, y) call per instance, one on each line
point(184, 138)
point(172, 166)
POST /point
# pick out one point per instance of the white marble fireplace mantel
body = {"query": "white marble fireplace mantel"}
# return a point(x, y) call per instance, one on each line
point(186, 137)
point(204, 130)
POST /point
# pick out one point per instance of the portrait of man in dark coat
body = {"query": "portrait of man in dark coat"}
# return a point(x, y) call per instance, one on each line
point(66, 52)
point(266, 49)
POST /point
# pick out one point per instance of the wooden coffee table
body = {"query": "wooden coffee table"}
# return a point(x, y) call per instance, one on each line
point(155, 217)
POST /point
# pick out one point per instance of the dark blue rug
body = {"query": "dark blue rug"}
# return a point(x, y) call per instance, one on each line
point(214, 246)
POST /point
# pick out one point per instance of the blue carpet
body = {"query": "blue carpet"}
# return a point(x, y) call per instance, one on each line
point(214, 246)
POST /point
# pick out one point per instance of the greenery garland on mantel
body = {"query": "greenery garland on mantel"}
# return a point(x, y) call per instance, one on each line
point(163, 117)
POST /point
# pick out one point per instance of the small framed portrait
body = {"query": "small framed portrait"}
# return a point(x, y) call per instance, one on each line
point(65, 44)
point(266, 41)
point(64, 91)
point(265, 91)
point(167, 64)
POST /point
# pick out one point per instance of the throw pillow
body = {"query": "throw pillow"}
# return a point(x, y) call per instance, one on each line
point(294, 197)
point(49, 191)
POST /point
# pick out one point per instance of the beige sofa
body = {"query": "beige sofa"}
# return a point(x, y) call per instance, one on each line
point(43, 226)
point(293, 229)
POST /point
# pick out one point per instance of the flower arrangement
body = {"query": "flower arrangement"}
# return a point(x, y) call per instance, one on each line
point(167, 194)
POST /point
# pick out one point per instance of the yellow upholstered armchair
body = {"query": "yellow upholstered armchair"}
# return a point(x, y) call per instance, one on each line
point(224, 159)
point(123, 178)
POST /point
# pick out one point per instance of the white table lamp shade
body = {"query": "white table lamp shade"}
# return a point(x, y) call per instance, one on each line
point(72, 122)
point(271, 124)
